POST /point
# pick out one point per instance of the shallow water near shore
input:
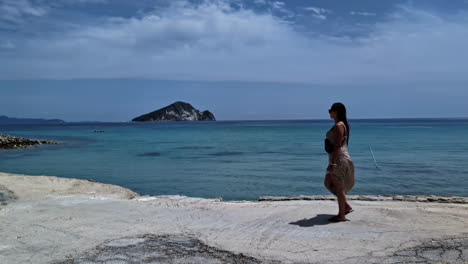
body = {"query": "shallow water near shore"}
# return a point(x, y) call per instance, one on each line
point(243, 160)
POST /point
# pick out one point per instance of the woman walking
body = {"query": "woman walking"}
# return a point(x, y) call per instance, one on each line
point(340, 172)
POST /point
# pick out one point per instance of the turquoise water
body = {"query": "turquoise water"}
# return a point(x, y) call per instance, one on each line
point(239, 160)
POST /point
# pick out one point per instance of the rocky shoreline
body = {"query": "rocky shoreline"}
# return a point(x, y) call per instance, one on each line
point(9, 142)
point(401, 198)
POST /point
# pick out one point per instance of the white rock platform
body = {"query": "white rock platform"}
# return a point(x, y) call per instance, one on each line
point(57, 220)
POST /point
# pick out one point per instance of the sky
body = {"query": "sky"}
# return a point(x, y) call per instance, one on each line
point(112, 60)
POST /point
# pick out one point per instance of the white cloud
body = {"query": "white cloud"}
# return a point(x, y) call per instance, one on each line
point(278, 4)
point(207, 26)
point(273, 4)
point(16, 10)
point(318, 12)
point(213, 41)
point(14, 13)
point(72, 2)
point(89, 1)
point(354, 13)
point(281, 7)
point(322, 17)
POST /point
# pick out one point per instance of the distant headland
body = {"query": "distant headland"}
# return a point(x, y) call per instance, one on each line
point(5, 120)
point(178, 111)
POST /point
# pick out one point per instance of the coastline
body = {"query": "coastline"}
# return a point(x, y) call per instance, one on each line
point(59, 220)
point(53, 185)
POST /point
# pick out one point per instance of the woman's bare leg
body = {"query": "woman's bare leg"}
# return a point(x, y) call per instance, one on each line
point(329, 184)
point(341, 204)
point(347, 206)
point(340, 194)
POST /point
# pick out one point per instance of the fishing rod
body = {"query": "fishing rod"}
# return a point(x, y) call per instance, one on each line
point(375, 161)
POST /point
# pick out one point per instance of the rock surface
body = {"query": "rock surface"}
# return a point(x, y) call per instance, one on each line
point(35, 187)
point(178, 111)
point(6, 195)
point(55, 220)
point(178, 249)
point(454, 250)
point(158, 249)
point(9, 142)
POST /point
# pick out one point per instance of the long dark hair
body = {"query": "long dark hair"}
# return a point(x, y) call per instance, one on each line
point(340, 110)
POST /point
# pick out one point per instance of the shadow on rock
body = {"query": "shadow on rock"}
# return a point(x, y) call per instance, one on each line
point(321, 219)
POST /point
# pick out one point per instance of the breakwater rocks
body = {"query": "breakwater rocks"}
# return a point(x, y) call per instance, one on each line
point(403, 198)
point(9, 142)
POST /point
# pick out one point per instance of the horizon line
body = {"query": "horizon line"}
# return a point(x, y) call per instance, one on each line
point(314, 119)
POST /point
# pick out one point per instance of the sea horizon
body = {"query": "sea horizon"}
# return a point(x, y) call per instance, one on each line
point(255, 120)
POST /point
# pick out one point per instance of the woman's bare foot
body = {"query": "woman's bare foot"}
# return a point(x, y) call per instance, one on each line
point(337, 218)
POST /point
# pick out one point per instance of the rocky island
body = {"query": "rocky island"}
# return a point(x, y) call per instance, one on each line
point(178, 111)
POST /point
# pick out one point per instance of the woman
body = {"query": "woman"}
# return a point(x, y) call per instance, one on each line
point(340, 172)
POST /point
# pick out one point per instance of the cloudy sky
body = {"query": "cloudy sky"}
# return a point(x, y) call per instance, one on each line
point(109, 60)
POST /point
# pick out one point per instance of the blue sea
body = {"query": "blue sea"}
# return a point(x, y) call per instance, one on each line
point(243, 160)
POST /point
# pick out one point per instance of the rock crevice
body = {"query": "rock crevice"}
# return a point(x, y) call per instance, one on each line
point(6, 195)
point(159, 249)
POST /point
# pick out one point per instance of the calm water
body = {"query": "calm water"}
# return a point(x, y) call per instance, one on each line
point(248, 159)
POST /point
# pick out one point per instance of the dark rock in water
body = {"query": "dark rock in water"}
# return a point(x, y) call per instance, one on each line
point(227, 153)
point(178, 111)
point(150, 154)
point(194, 147)
point(12, 120)
point(8, 142)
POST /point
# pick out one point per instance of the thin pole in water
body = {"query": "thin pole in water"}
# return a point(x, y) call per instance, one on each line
point(375, 162)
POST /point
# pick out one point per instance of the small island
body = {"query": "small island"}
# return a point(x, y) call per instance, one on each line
point(178, 111)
